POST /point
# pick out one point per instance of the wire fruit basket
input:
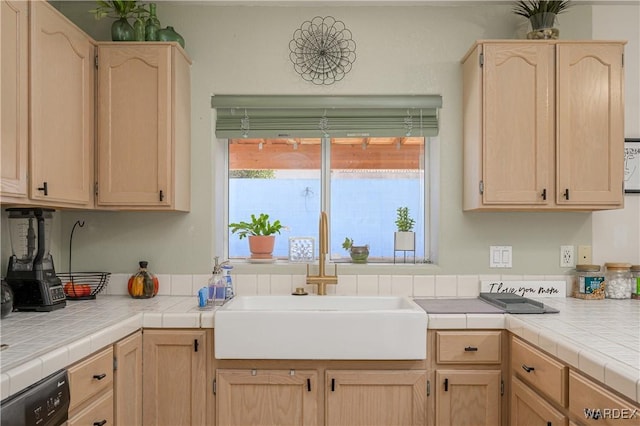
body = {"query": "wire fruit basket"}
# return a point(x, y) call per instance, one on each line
point(82, 285)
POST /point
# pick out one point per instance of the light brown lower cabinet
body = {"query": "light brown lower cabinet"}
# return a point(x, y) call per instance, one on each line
point(307, 392)
point(528, 408)
point(468, 397)
point(467, 370)
point(175, 376)
point(372, 398)
point(127, 381)
point(545, 392)
point(267, 397)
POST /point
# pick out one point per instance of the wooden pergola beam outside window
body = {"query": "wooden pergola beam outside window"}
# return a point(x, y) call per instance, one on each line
point(401, 153)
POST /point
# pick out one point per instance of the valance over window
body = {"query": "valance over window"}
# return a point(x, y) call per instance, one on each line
point(325, 116)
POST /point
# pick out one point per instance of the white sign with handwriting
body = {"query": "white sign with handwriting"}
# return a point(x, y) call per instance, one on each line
point(526, 288)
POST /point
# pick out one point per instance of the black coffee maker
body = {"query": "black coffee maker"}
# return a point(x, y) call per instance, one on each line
point(30, 273)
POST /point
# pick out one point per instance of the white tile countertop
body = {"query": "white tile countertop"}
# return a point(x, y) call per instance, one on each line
point(599, 337)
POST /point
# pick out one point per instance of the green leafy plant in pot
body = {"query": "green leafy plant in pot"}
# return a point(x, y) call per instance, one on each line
point(404, 237)
point(261, 234)
point(542, 16)
point(122, 10)
point(359, 254)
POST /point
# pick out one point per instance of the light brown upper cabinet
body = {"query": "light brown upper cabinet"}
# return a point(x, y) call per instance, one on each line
point(48, 94)
point(62, 97)
point(144, 101)
point(543, 125)
point(14, 120)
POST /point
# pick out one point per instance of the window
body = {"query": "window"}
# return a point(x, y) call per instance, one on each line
point(359, 181)
point(359, 158)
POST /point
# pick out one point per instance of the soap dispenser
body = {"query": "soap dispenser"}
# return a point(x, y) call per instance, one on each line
point(217, 285)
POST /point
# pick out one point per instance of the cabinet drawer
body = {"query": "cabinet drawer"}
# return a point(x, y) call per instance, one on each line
point(468, 347)
point(607, 408)
point(90, 377)
point(100, 412)
point(539, 370)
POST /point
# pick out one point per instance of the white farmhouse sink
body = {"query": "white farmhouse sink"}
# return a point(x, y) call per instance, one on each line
point(320, 327)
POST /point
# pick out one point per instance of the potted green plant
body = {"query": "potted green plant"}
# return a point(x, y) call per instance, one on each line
point(359, 254)
point(542, 16)
point(404, 237)
point(121, 10)
point(261, 234)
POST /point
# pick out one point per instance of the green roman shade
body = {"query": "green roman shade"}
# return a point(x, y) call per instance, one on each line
point(325, 116)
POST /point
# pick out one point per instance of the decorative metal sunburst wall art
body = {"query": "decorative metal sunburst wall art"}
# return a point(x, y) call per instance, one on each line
point(322, 50)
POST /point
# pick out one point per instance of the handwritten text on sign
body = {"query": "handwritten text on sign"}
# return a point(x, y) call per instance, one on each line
point(526, 288)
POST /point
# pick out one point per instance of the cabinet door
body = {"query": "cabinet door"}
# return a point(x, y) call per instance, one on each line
point(62, 110)
point(267, 397)
point(128, 380)
point(174, 371)
point(14, 121)
point(518, 84)
point(590, 128)
point(467, 397)
point(528, 408)
point(369, 398)
point(134, 125)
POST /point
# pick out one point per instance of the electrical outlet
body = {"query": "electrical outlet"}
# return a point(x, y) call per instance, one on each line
point(584, 255)
point(567, 258)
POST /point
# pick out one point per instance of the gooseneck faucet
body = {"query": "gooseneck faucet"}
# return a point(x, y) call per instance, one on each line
point(321, 280)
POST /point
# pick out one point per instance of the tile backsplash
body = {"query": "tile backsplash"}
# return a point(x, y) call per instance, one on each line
point(348, 285)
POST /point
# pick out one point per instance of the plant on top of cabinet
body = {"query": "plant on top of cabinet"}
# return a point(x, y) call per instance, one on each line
point(122, 10)
point(542, 16)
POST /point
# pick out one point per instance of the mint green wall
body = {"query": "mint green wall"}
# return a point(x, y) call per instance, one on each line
point(400, 50)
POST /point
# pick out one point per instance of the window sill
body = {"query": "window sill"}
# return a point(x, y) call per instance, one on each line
point(284, 267)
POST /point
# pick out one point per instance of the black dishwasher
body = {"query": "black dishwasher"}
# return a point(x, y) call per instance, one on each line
point(45, 403)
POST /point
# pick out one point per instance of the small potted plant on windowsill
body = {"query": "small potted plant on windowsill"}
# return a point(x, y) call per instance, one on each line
point(261, 234)
point(404, 238)
point(359, 254)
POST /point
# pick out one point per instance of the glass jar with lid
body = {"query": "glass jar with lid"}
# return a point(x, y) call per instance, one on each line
point(143, 284)
point(635, 281)
point(617, 281)
point(588, 282)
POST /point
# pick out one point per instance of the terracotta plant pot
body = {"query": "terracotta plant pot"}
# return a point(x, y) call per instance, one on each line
point(261, 246)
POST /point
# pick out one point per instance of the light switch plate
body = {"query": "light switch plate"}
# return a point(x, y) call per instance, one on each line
point(500, 256)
